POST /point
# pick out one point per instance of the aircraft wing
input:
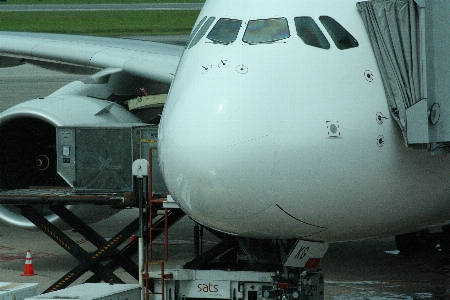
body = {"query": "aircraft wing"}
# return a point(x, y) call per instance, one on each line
point(97, 100)
point(155, 61)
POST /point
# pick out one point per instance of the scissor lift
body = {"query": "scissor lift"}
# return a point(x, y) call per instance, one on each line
point(79, 151)
point(107, 257)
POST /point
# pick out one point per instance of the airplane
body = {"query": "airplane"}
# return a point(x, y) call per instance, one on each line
point(276, 124)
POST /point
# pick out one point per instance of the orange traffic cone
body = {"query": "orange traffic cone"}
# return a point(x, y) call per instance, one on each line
point(28, 269)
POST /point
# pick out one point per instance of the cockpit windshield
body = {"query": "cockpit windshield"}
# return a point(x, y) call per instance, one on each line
point(225, 31)
point(266, 31)
point(310, 33)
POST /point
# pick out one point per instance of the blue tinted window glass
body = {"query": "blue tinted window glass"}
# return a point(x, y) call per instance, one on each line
point(225, 31)
point(266, 31)
point(310, 33)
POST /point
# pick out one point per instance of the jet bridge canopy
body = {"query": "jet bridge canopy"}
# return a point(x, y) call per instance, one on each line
point(410, 42)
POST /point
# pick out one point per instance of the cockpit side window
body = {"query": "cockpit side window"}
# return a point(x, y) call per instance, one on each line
point(197, 28)
point(200, 31)
point(225, 31)
point(266, 31)
point(341, 37)
point(310, 33)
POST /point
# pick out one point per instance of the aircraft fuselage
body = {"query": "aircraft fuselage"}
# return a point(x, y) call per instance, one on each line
point(283, 139)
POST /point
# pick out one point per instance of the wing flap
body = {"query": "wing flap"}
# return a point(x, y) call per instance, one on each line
point(145, 59)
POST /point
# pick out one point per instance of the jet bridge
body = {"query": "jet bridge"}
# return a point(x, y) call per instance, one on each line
point(410, 41)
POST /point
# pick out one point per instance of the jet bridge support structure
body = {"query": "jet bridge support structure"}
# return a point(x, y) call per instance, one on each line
point(410, 41)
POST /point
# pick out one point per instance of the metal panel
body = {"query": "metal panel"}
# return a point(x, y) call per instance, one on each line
point(437, 43)
point(244, 285)
point(98, 158)
point(417, 125)
point(103, 159)
point(94, 291)
point(149, 140)
point(17, 291)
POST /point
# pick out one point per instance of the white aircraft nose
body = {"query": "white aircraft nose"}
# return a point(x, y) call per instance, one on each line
point(211, 143)
point(221, 156)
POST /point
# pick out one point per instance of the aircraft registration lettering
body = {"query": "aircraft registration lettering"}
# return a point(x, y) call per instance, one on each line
point(305, 251)
point(302, 252)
